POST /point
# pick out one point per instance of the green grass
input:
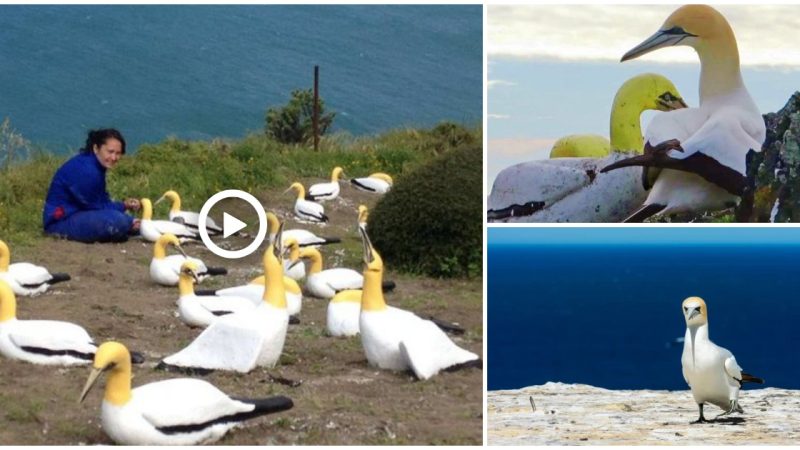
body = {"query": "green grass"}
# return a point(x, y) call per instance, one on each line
point(198, 169)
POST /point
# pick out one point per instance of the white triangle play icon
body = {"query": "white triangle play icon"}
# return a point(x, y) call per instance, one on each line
point(230, 224)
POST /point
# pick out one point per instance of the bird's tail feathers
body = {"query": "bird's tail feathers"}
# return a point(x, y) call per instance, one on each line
point(59, 277)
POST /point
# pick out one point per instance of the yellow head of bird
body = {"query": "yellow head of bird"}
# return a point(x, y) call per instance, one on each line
point(294, 249)
point(337, 172)
point(114, 357)
point(272, 223)
point(160, 248)
point(189, 270)
point(650, 91)
point(274, 292)
point(297, 186)
point(372, 260)
point(174, 198)
point(382, 176)
point(363, 214)
point(695, 311)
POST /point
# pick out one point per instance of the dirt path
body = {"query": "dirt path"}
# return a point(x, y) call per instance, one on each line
point(341, 400)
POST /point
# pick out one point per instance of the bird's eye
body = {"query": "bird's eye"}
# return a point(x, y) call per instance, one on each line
point(686, 309)
point(667, 97)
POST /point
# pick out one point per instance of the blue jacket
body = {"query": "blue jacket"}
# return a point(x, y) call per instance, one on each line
point(78, 185)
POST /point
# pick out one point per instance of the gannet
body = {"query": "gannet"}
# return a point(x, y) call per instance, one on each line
point(343, 313)
point(188, 218)
point(153, 229)
point(396, 339)
point(47, 342)
point(293, 266)
point(710, 370)
point(244, 340)
point(378, 183)
point(180, 411)
point(326, 283)
point(165, 270)
point(201, 311)
point(326, 191)
point(307, 210)
point(26, 278)
point(304, 237)
point(700, 152)
point(571, 189)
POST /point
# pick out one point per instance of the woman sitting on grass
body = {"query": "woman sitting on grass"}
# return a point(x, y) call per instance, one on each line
point(77, 205)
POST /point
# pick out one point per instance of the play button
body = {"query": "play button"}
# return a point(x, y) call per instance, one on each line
point(231, 224)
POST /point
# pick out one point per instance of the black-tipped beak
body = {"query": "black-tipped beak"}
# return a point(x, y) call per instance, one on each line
point(671, 105)
point(661, 39)
point(695, 311)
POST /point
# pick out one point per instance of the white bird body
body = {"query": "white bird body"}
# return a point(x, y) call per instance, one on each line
point(254, 291)
point(202, 311)
point(326, 191)
point(343, 314)
point(165, 269)
point(294, 271)
point(189, 218)
point(306, 210)
point(180, 411)
point(151, 229)
point(325, 284)
point(304, 238)
point(26, 278)
point(41, 341)
point(378, 183)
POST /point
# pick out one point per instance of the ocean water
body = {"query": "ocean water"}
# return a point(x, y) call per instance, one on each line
point(202, 71)
point(610, 315)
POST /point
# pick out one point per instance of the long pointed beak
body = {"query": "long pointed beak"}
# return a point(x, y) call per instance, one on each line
point(195, 277)
point(294, 263)
point(672, 104)
point(286, 191)
point(694, 313)
point(159, 200)
point(180, 249)
point(89, 383)
point(658, 40)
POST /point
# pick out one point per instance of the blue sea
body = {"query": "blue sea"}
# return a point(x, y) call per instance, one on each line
point(605, 310)
point(203, 71)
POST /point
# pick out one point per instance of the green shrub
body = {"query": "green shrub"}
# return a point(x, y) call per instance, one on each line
point(431, 221)
point(292, 124)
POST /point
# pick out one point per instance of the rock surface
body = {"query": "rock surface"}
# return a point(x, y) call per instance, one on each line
point(578, 414)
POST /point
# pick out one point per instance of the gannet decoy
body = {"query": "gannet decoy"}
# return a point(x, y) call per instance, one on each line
point(201, 311)
point(48, 342)
point(396, 339)
point(695, 160)
point(343, 313)
point(189, 218)
point(363, 215)
point(304, 237)
point(254, 290)
point(293, 266)
point(307, 210)
point(326, 191)
point(326, 283)
point(710, 370)
point(165, 269)
point(180, 411)
point(581, 146)
point(26, 278)
point(572, 189)
point(153, 229)
point(245, 340)
point(378, 183)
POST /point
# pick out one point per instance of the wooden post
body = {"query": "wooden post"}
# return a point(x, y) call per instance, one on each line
point(315, 117)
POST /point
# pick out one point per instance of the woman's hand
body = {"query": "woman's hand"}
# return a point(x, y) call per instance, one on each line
point(132, 204)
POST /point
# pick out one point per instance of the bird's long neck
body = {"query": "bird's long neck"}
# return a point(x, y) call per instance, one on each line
point(160, 250)
point(185, 285)
point(8, 302)
point(720, 73)
point(335, 176)
point(372, 295)
point(176, 203)
point(5, 257)
point(301, 192)
point(626, 129)
point(118, 385)
point(147, 210)
point(696, 334)
point(316, 260)
point(274, 292)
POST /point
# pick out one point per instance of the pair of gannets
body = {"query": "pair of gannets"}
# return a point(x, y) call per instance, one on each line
point(244, 340)
point(378, 183)
point(396, 339)
point(165, 269)
point(307, 210)
point(180, 411)
point(326, 191)
point(304, 238)
point(710, 370)
point(26, 278)
point(571, 189)
point(189, 218)
point(153, 229)
point(695, 159)
point(49, 342)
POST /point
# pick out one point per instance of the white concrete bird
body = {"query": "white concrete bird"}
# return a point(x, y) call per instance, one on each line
point(326, 191)
point(344, 312)
point(26, 278)
point(151, 229)
point(306, 210)
point(326, 283)
point(254, 290)
point(695, 159)
point(246, 340)
point(304, 237)
point(202, 311)
point(378, 183)
point(189, 218)
point(396, 339)
point(180, 411)
point(165, 269)
point(710, 370)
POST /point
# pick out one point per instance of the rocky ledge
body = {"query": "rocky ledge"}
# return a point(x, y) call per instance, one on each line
point(578, 414)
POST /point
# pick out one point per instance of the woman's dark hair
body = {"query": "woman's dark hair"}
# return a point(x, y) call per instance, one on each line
point(99, 137)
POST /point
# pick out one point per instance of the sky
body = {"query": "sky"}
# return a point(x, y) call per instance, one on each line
point(638, 235)
point(554, 70)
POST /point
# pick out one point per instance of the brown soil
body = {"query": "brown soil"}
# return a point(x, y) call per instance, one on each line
point(342, 400)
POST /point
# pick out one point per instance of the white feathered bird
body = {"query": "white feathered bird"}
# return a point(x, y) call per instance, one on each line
point(189, 218)
point(180, 411)
point(151, 229)
point(378, 183)
point(165, 269)
point(303, 237)
point(326, 191)
point(307, 210)
point(202, 311)
point(26, 278)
